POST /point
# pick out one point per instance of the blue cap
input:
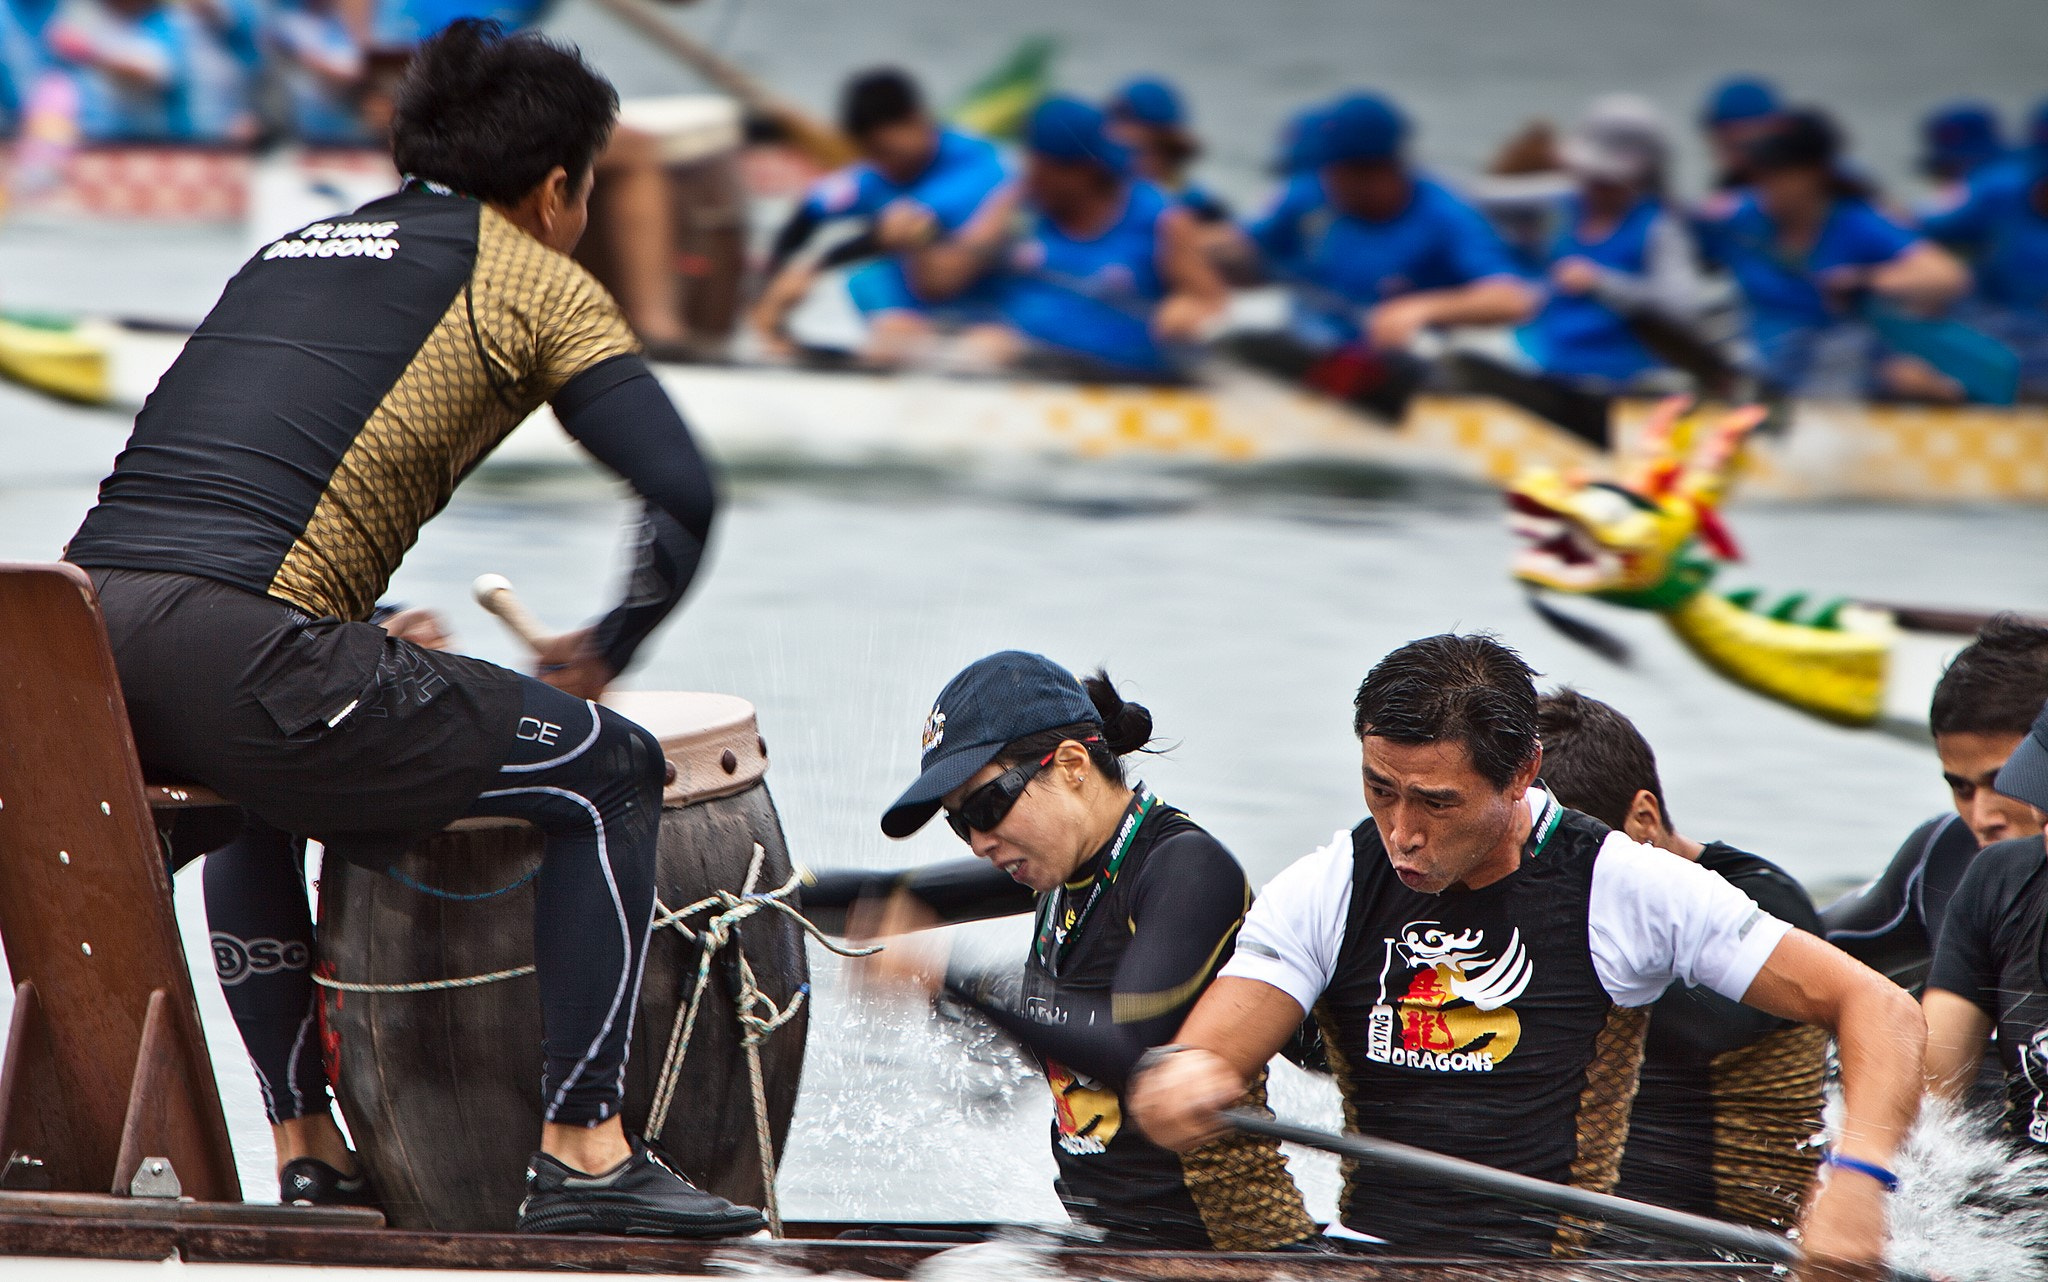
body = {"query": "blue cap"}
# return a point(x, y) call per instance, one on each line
point(1065, 128)
point(1363, 126)
point(993, 702)
point(2025, 773)
point(2037, 131)
point(1150, 101)
point(1740, 98)
point(1301, 141)
point(1961, 133)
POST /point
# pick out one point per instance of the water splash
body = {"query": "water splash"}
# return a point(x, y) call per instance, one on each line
point(1971, 1206)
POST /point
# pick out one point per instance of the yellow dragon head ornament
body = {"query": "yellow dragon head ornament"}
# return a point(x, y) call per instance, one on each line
point(1653, 540)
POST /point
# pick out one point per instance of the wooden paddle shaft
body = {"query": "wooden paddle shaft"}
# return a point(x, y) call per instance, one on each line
point(494, 593)
point(816, 139)
point(1421, 1164)
point(1924, 618)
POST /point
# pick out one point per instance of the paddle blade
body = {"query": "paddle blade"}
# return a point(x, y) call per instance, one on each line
point(1590, 635)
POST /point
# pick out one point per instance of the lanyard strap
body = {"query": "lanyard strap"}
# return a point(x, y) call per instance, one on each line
point(1545, 826)
point(1053, 943)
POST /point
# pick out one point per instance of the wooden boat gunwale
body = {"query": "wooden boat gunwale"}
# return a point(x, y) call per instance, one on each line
point(205, 1234)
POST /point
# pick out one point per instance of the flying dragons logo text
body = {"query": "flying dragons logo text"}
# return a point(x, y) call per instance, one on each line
point(1444, 1001)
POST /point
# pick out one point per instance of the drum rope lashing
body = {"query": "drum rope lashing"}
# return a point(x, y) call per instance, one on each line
point(748, 999)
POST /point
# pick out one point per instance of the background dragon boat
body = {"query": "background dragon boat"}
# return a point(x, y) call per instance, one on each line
point(1228, 418)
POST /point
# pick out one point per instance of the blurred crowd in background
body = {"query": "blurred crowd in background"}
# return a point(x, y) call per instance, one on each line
point(1792, 275)
point(1094, 240)
point(218, 72)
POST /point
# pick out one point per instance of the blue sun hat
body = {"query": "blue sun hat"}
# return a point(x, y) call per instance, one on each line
point(1066, 128)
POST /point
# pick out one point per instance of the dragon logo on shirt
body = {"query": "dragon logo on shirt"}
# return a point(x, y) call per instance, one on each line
point(1088, 1113)
point(1444, 1001)
point(2034, 1065)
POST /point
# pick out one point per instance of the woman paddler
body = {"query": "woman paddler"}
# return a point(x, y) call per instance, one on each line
point(1136, 909)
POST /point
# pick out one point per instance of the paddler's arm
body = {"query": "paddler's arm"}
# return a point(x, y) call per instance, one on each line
point(1963, 984)
point(619, 412)
point(1285, 956)
point(1925, 277)
point(1493, 300)
point(1197, 292)
point(1881, 1042)
point(1957, 1034)
point(945, 268)
point(1183, 915)
point(955, 891)
point(788, 279)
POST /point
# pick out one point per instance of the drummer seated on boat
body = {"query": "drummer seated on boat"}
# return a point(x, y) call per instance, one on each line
point(1094, 270)
point(1136, 907)
point(1999, 222)
point(1988, 985)
point(1376, 252)
point(1729, 1097)
point(350, 375)
point(916, 181)
point(1981, 711)
point(1482, 960)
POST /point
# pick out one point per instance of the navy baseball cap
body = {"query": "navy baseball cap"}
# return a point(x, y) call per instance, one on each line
point(1150, 101)
point(1960, 133)
point(994, 701)
point(1301, 141)
point(1064, 128)
point(1739, 98)
point(2025, 773)
point(1363, 127)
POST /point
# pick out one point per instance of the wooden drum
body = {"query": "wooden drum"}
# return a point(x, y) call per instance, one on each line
point(441, 1089)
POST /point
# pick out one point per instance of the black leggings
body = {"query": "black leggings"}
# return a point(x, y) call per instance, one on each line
point(591, 781)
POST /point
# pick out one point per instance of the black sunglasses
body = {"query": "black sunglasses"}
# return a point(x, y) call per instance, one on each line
point(984, 809)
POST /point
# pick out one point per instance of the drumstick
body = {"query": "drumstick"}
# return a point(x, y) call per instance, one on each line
point(494, 593)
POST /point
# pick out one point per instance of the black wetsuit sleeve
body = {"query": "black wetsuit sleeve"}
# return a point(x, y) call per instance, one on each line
point(618, 411)
point(1966, 961)
point(794, 234)
point(1889, 924)
point(957, 890)
point(1185, 911)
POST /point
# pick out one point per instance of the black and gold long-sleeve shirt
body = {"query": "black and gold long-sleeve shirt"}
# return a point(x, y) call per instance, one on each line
point(350, 376)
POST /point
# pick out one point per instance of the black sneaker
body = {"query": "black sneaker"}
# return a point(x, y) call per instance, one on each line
point(640, 1197)
point(308, 1181)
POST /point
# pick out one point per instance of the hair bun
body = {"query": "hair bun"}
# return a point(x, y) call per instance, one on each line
point(1126, 727)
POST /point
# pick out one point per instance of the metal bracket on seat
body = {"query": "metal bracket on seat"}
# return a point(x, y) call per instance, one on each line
point(155, 1177)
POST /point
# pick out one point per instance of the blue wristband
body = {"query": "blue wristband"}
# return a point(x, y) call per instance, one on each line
point(1861, 1167)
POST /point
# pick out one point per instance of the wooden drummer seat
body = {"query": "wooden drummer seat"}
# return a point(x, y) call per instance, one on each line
point(105, 1062)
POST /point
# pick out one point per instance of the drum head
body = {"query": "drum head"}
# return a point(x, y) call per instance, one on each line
point(711, 739)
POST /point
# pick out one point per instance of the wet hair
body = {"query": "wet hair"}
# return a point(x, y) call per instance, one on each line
point(1126, 728)
point(1998, 684)
point(878, 98)
point(491, 114)
point(1594, 758)
point(1469, 689)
